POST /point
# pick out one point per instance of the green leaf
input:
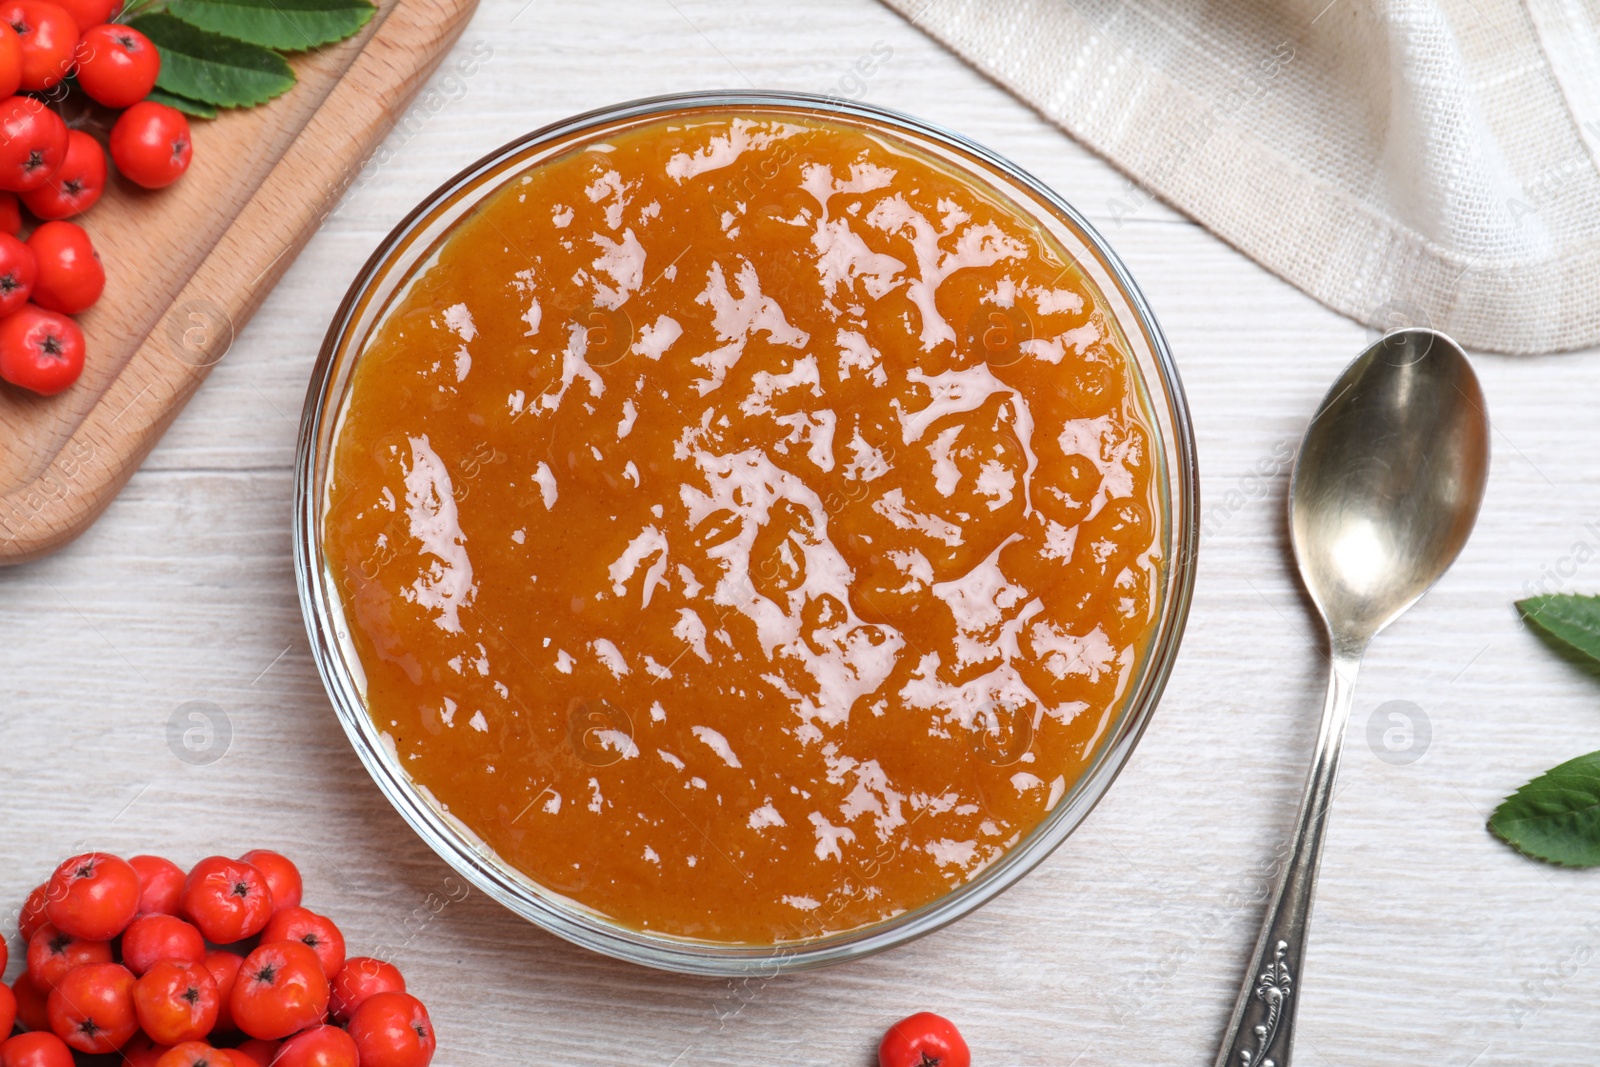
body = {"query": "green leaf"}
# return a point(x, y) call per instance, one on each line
point(1556, 817)
point(211, 68)
point(183, 104)
point(289, 25)
point(1570, 619)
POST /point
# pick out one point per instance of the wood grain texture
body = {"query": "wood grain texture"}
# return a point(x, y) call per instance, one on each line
point(187, 266)
point(1433, 944)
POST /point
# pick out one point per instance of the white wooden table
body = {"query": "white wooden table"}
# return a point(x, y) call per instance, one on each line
point(1433, 943)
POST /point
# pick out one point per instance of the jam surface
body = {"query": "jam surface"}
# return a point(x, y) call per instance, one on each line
point(747, 526)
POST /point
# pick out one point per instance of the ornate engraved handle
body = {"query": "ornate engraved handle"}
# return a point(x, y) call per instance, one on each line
point(1261, 1033)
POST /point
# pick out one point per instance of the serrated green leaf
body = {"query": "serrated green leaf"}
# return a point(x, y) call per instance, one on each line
point(287, 25)
point(183, 104)
point(1556, 817)
point(1571, 619)
point(212, 68)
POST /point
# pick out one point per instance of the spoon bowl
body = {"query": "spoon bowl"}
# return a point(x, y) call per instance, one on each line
point(1387, 484)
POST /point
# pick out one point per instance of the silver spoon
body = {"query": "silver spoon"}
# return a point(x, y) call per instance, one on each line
point(1385, 491)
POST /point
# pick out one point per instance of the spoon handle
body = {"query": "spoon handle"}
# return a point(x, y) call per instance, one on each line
point(1261, 1033)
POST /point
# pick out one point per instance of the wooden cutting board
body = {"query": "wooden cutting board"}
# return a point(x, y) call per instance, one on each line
point(186, 266)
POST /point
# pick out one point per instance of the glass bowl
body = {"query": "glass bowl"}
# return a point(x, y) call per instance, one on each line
point(410, 247)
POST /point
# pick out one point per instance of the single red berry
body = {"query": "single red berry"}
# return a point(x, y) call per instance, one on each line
point(93, 896)
point(52, 954)
point(48, 37)
point(160, 884)
point(33, 142)
point(924, 1040)
point(69, 279)
point(282, 876)
point(40, 350)
point(393, 1030)
point(281, 990)
point(92, 1008)
point(117, 65)
point(39, 1049)
point(224, 967)
point(320, 1046)
point(32, 1003)
point(227, 899)
point(316, 932)
point(176, 1002)
point(150, 144)
point(152, 939)
point(77, 183)
point(358, 979)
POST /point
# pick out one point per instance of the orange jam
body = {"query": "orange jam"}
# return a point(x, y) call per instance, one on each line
point(747, 526)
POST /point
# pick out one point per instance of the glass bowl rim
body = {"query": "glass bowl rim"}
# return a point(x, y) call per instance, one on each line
point(687, 956)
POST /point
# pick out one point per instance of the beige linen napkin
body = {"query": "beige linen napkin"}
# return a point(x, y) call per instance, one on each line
point(1428, 161)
